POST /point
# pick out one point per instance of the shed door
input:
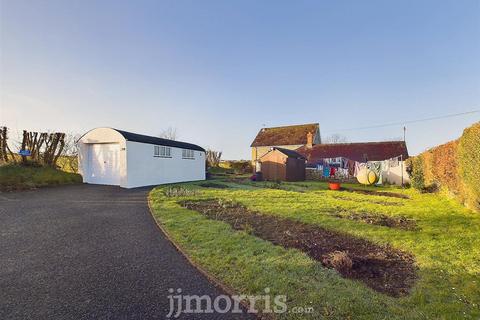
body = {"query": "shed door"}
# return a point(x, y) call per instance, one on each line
point(104, 163)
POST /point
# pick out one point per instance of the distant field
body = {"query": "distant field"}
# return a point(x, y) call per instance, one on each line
point(413, 255)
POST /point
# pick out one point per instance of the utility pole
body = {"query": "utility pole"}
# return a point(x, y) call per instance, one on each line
point(401, 168)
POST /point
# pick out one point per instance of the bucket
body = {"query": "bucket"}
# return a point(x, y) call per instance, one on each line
point(334, 185)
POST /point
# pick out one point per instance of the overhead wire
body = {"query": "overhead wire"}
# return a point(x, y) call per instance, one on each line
point(403, 123)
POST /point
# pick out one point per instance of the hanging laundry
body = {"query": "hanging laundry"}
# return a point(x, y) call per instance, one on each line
point(374, 166)
point(358, 167)
point(393, 162)
point(341, 173)
point(332, 171)
point(351, 167)
point(326, 171)
point(381, 170)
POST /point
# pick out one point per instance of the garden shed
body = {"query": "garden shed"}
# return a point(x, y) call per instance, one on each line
point(281, 164)
point(116, 157)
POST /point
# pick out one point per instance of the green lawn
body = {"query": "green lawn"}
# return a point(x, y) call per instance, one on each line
point(446, 246)
point(16, 177)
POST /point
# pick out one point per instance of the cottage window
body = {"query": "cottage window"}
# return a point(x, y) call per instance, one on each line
point(162, 152)
point(188, 154)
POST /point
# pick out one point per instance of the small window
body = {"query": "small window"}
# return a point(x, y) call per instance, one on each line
point(188, 154)
point(162, 152)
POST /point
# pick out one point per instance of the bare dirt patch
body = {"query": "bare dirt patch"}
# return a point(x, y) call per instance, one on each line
point(378, 193)
point(382, 268)
point(379, 219)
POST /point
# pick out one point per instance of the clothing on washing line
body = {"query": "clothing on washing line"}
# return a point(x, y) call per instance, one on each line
point(326, 171)
point(378, 167)
point(375, 166)
point(332, 171)
point(393, 162)
point(351, 167)
point(341, 173)
point(359, 166)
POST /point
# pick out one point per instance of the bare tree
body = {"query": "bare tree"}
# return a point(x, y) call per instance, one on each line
point(336, 138)
point(6, 155)
point(54, 144)
point(213, 158)
point(43, 147)
point(70, 153)
point(170, 133)
point(33, 141)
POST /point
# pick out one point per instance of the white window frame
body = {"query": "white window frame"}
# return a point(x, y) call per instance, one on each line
point(188, 154)
point(162, 152)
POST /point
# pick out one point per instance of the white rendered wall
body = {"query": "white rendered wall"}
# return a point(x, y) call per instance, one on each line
point(144, 169)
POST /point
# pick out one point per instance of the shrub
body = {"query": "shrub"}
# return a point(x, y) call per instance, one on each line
point(238, 167)
point(273, 185)
point(178, 191)
point(213, 157)
point(469, 162)
point(415, 171)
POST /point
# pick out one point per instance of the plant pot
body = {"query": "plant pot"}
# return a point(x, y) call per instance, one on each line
point(334, 185)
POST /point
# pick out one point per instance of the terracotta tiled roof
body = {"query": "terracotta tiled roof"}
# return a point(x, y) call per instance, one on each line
point(284, 136)
point(372, 151)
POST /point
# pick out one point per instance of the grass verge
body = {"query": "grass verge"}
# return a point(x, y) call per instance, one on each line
point(15, 177)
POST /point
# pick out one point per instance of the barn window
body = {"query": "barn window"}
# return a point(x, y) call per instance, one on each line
point(188, 154)
point(168, 152)
point(162, 152)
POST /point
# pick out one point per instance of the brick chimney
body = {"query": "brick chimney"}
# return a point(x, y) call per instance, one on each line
point(309, 144)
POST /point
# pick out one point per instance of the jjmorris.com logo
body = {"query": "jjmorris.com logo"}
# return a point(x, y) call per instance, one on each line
point(187, 304)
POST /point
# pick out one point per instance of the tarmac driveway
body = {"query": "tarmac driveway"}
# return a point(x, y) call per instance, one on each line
point(89, 252)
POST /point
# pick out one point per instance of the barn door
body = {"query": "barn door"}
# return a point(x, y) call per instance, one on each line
point(104, 163)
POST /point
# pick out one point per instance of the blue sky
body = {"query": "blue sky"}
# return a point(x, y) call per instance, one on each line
point(219, 70)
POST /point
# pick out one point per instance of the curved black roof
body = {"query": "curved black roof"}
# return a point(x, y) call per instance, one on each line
point(158, 141)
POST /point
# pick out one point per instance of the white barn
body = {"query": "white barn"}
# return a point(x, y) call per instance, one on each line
point(115, 157)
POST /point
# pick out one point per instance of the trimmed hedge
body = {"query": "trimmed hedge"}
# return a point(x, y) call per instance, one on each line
point(453, 166)
point(469, 163)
